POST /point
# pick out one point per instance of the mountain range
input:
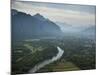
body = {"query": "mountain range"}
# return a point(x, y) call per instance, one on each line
point(26, 26)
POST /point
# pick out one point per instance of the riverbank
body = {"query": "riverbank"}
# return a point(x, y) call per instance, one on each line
point(46, 62)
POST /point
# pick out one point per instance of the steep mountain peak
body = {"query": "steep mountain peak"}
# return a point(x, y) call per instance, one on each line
point(39, 16)
point(14, 12)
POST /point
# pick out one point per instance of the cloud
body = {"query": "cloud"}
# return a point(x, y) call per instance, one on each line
point(57, 15)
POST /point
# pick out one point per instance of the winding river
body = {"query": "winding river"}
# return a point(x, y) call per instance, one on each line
point(46, 62)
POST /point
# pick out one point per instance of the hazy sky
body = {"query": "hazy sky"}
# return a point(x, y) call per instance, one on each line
point(76, 15)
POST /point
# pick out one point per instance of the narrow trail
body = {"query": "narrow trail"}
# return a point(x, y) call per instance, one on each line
point(29, 47)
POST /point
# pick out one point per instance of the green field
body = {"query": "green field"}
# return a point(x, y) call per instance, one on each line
point(60, 66)
point(79, 54)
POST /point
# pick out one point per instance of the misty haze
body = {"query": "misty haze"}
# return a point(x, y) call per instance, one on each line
point(51, 37)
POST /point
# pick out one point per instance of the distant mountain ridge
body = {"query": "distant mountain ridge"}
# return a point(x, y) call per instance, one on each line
point(25, 26)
